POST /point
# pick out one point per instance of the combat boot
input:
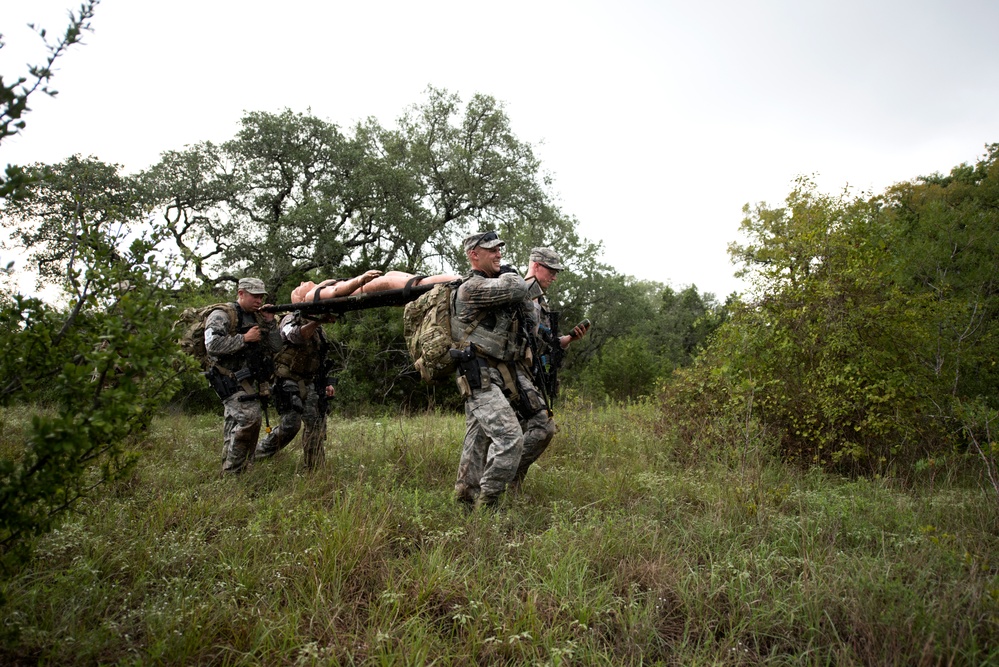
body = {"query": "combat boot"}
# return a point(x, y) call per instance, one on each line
point(464, 496)
point(484, 502)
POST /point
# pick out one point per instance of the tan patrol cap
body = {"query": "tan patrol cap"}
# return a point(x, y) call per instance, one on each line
point(483, 240)
point(252, 285)
point(547, 257)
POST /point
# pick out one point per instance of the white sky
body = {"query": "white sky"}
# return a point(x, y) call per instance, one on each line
point(657, 119)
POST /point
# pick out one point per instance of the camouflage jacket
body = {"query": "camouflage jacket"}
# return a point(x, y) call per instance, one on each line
point(228, 349)
point(502, 307)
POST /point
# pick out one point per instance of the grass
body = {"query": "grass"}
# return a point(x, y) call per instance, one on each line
point(616, 553)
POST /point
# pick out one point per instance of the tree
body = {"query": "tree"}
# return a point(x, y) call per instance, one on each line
point(14, 97)
point(103, 362)
point(292, 195)
point(947, 245)
point(642, 331)
point(871, 321)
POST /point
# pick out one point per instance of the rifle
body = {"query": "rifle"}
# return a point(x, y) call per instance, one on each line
point(323, 375)
point(538, 372)
point(344, 304)
point(547, 365)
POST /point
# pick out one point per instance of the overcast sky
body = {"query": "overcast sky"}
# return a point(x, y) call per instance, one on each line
point(657, 119)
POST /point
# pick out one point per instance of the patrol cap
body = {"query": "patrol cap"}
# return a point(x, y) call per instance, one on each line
point(252, 285)
point(547, 257)
point(483, 240)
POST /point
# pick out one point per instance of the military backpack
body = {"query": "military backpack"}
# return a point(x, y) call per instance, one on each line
point(191, 324)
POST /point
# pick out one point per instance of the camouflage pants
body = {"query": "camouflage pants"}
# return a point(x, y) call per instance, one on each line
point(313, 437)
point(539, 431)
point(239, 432)
point(493, 443)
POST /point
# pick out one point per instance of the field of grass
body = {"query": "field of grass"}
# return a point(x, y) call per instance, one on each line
point(615, 553)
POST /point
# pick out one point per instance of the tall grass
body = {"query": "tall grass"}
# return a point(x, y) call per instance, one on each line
point(618, 551)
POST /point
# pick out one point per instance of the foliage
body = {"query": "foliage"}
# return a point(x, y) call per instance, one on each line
point(14, 96)
point(641, 332)
point(293, 195)
point(623, 554)
point(947, 246)
point(103, 361)
point(625, 369)
point(871, 320)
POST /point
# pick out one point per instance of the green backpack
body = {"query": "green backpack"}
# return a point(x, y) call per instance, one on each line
point(427, 328)
point(191, 324)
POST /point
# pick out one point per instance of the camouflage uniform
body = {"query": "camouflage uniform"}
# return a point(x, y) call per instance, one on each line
point(299, 371)
point(541, 429)
point(231, 354)
point(489, 315)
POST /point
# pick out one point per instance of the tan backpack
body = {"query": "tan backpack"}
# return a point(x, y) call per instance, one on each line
point(191, 324)
point(427, 328)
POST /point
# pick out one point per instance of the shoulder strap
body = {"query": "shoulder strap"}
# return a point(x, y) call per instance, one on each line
point(473, 325)
point(410, 284)
point(233, 311)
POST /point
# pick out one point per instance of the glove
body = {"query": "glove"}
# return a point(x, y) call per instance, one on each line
point(506, 268)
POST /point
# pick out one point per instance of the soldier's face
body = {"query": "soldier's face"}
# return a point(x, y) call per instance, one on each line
point(487, 260)
point(249, 302)
point(546, 276)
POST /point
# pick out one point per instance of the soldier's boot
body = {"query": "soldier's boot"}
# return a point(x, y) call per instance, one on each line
point(515, 485)
point(314, 457)
point(464, 495)
point(484, 502)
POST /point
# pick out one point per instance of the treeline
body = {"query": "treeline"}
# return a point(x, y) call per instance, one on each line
point(870, 340)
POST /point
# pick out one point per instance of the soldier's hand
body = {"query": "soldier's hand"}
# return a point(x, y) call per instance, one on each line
point(252, 336)
point(506, 268)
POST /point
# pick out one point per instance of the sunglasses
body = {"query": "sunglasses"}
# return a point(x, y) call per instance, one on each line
point(488, 236)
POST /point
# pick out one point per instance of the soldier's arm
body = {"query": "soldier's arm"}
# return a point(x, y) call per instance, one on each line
point(297, 331)
point(218, 339)
point(270, 333)
point(491, 292)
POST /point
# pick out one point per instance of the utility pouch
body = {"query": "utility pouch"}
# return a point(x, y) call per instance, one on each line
point(531, 402)
point(223, 385)
point(469, 368)
point(243, 373)
point(287, 397)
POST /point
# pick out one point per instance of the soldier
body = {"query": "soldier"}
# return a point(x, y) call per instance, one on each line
point(303, 386)
point(549, 351)
point(302, 389)
point(490, 323)
point(240, 342)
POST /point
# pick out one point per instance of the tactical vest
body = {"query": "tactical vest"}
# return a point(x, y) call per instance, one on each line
point(546, 333)
point(302, 362)
point(498, 335)
point(246, 356)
